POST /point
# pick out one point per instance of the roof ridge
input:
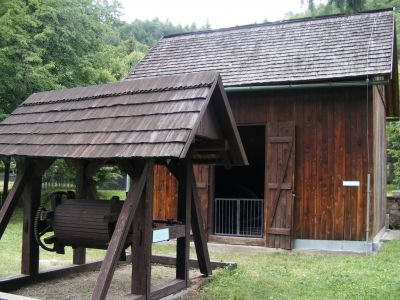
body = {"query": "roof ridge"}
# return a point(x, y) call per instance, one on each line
point(118, 94)
point(281, 22)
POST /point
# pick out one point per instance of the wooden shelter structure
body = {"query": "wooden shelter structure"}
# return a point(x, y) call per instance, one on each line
point(135, 124)
point(310, 98)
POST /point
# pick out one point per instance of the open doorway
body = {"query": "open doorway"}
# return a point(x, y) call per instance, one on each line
point(239, 192)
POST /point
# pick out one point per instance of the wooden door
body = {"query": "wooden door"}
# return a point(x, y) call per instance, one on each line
point(279, 206)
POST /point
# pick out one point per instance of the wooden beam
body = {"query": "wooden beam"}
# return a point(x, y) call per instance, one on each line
point(193, 263)
point(281, 231)
point(79, 254)
point(162, 290)
point(18, 281)
point(142, 235)
point(12, 198)
point(30, 248)
point(7, 162)
point(23, 177)
point(210, 146)
point(121, 231)
point(184, 213)
point(234, 240)
point(198, 230)
point(31, 200)
point(175, 231)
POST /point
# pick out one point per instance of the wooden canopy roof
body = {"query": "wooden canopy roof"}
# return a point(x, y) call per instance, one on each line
point(153, 117)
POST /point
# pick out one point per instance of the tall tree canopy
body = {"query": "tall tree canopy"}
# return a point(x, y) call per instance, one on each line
point(53, 44)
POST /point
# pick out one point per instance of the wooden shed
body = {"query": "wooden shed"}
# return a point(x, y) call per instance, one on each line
point(310, 98)
point(135, 125)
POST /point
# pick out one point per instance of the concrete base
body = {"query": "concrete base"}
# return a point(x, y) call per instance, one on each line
point(328, 245)
point(343, 246)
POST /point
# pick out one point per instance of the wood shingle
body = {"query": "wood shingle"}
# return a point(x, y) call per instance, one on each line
point(151, 117)
point(290, 51)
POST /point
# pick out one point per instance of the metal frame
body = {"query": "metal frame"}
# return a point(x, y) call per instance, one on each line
point(237, 218)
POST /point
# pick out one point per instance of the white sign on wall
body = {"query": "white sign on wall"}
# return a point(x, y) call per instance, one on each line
point(351, 183)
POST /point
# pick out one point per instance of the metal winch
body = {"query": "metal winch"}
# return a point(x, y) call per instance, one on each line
point(63, 221)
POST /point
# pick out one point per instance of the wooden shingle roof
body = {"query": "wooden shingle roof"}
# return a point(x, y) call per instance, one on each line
point(289, 51)
point(152, 117)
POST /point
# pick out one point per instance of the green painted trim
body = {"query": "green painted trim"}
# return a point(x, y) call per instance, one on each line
point(238, 89)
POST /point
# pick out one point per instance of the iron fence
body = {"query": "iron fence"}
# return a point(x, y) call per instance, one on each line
point(238, 217)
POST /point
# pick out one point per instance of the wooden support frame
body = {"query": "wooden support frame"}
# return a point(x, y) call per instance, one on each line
point(199, 233)
point(142, 235)
point(31, 201)
point(139, 206)
point(7, 163)
point(15, 282)
point(121, 230)
point(30, 248)
point(31, 167)
point(184, 216)
point(12, 198)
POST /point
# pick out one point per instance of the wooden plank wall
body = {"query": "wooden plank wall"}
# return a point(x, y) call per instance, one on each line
point(330, 148)
point(166, 192)
point(379, 153)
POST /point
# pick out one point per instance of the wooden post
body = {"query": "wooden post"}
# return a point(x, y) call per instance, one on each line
point(121, 231)
point(184, 213)
point(199, 234)
point(31, 201)
point(30, 248)
point(142, 238)
point(7, 162)
point(79, 254)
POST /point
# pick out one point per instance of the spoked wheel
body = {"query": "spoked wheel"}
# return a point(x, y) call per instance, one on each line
point(43, 220)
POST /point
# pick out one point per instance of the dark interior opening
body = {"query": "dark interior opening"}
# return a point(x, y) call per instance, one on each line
point(248, 181)
point(239, 192)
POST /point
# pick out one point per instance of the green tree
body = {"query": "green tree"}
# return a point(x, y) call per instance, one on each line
point(347, 6)
point(52, 44)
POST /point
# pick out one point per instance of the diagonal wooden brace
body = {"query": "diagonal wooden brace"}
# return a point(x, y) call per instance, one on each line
point(199, 234)
point(121, 231)
point(31, 169)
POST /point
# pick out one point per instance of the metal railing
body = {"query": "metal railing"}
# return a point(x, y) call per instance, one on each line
point(239, 217)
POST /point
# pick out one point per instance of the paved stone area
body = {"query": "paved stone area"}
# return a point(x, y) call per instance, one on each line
point(391, 235)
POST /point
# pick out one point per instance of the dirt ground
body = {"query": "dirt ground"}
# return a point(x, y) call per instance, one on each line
point(80, 286)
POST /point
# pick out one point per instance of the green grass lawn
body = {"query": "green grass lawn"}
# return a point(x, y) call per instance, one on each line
point(292, 275)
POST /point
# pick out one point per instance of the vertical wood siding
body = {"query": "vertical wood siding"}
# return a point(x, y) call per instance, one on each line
point(166, 192)
point(330, 148)
point(379, 153)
